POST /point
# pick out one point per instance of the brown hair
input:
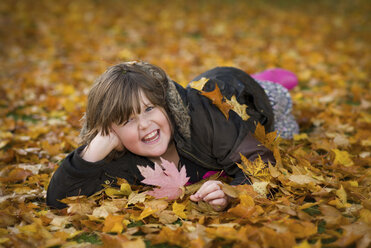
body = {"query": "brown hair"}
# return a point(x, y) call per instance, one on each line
point(115, 95)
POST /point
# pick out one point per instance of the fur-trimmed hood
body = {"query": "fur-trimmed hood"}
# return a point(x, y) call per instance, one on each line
point(178, 110)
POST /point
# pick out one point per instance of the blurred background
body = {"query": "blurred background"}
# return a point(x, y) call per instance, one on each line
point(51, 52)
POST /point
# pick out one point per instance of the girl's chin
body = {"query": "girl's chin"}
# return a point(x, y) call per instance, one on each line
point(156, 154)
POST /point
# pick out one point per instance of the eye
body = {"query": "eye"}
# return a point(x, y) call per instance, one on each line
point(128, 120)
point(149, 108)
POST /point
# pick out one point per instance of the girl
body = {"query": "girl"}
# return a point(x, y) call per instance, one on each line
point(135, 115)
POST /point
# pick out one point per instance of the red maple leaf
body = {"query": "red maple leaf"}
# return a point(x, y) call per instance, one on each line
point(167, 177)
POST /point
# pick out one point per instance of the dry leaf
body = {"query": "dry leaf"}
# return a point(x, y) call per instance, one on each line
point(257, 169)
point(218, 99)
point(240, 109)
point(342, 157)
point(178, 209)
point(199, 85)
point(114, 223)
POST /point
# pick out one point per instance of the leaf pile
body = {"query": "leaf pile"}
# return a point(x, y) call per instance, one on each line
point(318, 194)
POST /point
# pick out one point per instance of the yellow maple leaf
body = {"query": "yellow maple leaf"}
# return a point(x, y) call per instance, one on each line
point(257, 169)
point(240, 109)
point(199, 85)
point(218, 99)
point(342, 157)
point(178, 209)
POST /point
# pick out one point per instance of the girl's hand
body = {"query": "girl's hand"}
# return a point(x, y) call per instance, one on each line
point(211, 193)
point(101, 146)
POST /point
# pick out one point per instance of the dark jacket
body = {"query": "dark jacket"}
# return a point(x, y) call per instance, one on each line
point(204, 138)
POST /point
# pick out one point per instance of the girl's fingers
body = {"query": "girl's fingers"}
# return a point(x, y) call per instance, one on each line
point(219, 194)
point(194, 198)
point(207, 188)
point(210, 190)
point(218, 204)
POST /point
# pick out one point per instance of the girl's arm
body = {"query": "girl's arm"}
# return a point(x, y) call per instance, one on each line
point(101, 146)
point(75, 176)
point(84, 170)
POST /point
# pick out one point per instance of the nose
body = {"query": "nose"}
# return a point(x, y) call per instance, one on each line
point(143, 122)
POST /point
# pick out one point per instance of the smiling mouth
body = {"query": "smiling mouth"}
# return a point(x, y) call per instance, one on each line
point(151, 137)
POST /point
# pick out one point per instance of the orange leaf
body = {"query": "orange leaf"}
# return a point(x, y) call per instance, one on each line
point(242, 211)
point(114, 223)
point(218, 99)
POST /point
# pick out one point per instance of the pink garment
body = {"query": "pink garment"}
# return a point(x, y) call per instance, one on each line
point(277, 75)
point(210, 173)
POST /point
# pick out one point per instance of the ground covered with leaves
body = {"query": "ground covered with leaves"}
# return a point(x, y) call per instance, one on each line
point(317, 195)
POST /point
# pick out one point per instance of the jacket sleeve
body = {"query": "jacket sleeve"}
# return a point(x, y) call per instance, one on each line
point(75, 176)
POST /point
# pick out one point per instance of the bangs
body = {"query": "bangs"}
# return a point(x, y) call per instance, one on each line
point(128, 105)
point(128, 96)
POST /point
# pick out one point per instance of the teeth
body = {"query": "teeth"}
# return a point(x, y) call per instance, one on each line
point(150, 136)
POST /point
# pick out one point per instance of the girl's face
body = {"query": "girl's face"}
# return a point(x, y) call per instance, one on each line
point(147, 133)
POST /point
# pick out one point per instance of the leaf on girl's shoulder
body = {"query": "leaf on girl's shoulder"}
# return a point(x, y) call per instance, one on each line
point(218, 99)
point(199, 85)
point(240, 109)
point(167, 177)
